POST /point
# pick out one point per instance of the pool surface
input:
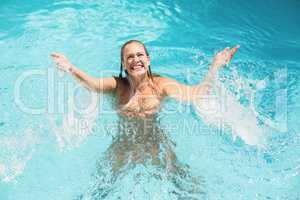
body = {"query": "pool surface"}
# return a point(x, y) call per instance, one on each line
point(60, 142)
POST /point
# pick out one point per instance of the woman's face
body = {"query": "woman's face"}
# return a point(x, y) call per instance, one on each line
point(135, 60)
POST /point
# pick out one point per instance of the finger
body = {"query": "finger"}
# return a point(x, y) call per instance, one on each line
point(54, 55)
point(226, 50)
point(234, 49)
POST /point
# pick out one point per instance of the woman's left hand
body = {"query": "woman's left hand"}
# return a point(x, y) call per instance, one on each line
point(223, 57)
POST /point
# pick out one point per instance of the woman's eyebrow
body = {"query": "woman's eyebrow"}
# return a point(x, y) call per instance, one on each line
point(131, 54)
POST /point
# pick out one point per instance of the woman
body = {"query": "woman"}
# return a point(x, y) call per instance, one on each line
point(140, 93)
point(140, 140)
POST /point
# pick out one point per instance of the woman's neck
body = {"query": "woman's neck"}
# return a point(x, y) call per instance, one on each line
point(137, 82)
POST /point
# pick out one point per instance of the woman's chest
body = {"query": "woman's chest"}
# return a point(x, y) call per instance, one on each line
point(144, 102)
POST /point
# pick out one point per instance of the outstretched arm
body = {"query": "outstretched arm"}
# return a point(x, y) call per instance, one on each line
point(183, 92)
point(94, 84)
point(220, 60)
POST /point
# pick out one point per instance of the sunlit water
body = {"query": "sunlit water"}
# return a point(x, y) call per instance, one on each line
point(58, 141)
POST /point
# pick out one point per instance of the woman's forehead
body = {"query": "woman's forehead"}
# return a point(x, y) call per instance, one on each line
point(133, 47)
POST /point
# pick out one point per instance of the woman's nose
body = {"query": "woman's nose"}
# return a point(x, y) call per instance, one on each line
point(136, 58)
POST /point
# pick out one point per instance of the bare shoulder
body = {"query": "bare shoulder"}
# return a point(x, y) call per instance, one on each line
point(163, 81)
point(167, 85)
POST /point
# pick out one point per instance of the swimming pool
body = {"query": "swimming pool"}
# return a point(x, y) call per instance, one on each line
point(246, 147)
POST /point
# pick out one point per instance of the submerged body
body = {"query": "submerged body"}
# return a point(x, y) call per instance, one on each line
point(141, 148)
point(140, 141)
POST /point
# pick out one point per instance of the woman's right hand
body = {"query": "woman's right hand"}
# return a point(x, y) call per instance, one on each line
point(223, 57)
point(62, 62)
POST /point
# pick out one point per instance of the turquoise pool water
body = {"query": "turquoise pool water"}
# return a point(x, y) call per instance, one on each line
point(242, 144)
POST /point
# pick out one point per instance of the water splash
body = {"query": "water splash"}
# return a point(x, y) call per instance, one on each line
point(72, 128)
point(16, 151)
point(223, 110)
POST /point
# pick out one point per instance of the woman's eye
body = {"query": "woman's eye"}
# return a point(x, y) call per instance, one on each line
point(139, 55)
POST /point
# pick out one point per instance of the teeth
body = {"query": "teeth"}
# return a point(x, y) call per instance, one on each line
point(137, 67)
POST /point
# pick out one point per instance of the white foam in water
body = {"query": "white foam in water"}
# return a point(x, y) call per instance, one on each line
point(16, 151)
point(222, 109)
point(74, 128)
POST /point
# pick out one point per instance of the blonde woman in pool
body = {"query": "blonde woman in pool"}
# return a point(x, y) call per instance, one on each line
point(139, 96)
point(140, 93)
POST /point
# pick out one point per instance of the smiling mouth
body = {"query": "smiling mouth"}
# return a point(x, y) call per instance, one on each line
point(137, 67)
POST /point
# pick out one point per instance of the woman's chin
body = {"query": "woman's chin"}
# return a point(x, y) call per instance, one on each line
point(138, 73)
